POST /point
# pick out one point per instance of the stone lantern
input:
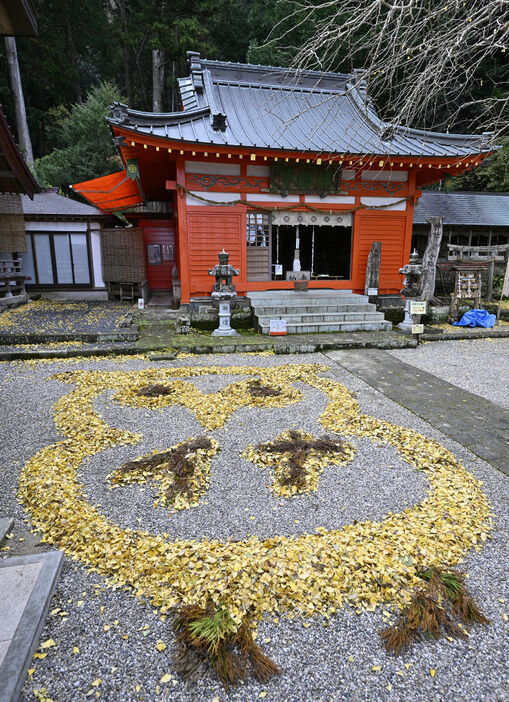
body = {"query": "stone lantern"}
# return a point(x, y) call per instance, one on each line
point(412, 287)
point(224, 292)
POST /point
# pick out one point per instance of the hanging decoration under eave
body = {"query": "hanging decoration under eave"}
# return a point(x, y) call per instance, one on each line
point(318, 219)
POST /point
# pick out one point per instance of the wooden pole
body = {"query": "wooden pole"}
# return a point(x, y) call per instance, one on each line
point(429, 260)
point(373, 267)
point(489, 281)
point(19, 100)
point(505, 286)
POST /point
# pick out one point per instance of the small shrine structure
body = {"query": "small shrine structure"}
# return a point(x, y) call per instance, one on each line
point(294, 173)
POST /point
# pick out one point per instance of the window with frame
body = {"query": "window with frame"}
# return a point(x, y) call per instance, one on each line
point(258, 229)
point(55, 258)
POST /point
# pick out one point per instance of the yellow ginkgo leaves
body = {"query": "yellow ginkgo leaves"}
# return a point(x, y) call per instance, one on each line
point(364, 564)
point(211, 409)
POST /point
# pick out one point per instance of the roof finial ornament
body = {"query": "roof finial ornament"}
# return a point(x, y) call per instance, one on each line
point(196, 69)
point(118, 112)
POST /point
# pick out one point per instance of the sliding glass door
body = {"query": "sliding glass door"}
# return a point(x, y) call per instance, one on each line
point(57, 259)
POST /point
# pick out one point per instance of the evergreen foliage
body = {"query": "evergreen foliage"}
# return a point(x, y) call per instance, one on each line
point(84, 147)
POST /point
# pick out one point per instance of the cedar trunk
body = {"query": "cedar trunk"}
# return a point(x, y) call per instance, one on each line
point(157, 80)
point(429, 260)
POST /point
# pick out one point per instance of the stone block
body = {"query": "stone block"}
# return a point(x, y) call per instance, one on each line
point(6, 524)
point(26, 587)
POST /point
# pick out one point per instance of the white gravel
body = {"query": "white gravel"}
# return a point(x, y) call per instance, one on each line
point(318, 663)
point(478, 365)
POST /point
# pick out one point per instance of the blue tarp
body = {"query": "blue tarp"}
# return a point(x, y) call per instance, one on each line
point(476, 318)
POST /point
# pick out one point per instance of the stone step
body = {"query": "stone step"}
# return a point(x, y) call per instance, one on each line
point(312, 292)
point(318, 309)
point(309, 300)
point(27, 584)
point(327, 318)
point(321, 327)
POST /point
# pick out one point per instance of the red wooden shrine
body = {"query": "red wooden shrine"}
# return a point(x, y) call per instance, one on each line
point(214, 165)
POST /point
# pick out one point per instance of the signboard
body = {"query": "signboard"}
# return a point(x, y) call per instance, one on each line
point(372, 291)
point(278, 269)
point(277, 327)
point(154, 254)
point(141, 303)
point(168, 252)
point(418, 307)
point(417, 328)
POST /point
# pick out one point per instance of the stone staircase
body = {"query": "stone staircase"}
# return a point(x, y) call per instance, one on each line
point(316, 311)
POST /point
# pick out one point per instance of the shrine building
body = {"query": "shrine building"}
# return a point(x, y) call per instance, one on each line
point(293, 173)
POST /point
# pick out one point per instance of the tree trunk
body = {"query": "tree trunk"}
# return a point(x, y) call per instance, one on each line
point(125, 53)
point(127, 75)
point(157, 75)
point(373, 267)
point(73, 59)
point(19, 100)
point(429, 260)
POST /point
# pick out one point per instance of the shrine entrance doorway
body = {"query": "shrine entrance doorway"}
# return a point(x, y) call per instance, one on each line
point(159, 239)
point(325, 251)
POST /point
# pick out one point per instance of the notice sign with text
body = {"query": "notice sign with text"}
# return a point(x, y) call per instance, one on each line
point(277, 327)
point(418, 307)
point(417, 328)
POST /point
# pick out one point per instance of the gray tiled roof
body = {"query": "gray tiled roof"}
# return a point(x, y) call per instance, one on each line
point(50, 203)
point(235, 104)
point(474, 209)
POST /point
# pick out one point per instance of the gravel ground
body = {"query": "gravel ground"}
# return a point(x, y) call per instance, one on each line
point(44, 316)
point(480, 366)
point(319, 662)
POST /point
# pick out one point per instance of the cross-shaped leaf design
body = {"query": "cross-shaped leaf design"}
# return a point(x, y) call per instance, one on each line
point(298, 459)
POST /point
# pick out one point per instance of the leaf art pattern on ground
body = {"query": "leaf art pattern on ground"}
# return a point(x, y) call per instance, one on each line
point(212, 409)
point(362, 564)
point(298, 459)
point(182, 472)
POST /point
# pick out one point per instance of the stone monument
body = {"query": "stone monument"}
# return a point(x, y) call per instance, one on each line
point(224, 293)
point(412, 287)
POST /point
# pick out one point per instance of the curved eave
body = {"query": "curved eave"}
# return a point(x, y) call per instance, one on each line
point(161, 119)
point(362, 158)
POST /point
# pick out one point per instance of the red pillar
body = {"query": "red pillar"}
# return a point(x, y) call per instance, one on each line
point(183, 242)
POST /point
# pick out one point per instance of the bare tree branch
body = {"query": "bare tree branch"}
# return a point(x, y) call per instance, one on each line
point(422, 59)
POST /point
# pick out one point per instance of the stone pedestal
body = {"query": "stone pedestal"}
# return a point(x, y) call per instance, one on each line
point(406, 324)
point(412, 288)
point(224, 328)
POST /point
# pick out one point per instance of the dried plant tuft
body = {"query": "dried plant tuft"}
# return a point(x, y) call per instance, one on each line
point(442, 606)
point(209, 636)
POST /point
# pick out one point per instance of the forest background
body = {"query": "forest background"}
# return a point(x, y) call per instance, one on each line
point(91, 52)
